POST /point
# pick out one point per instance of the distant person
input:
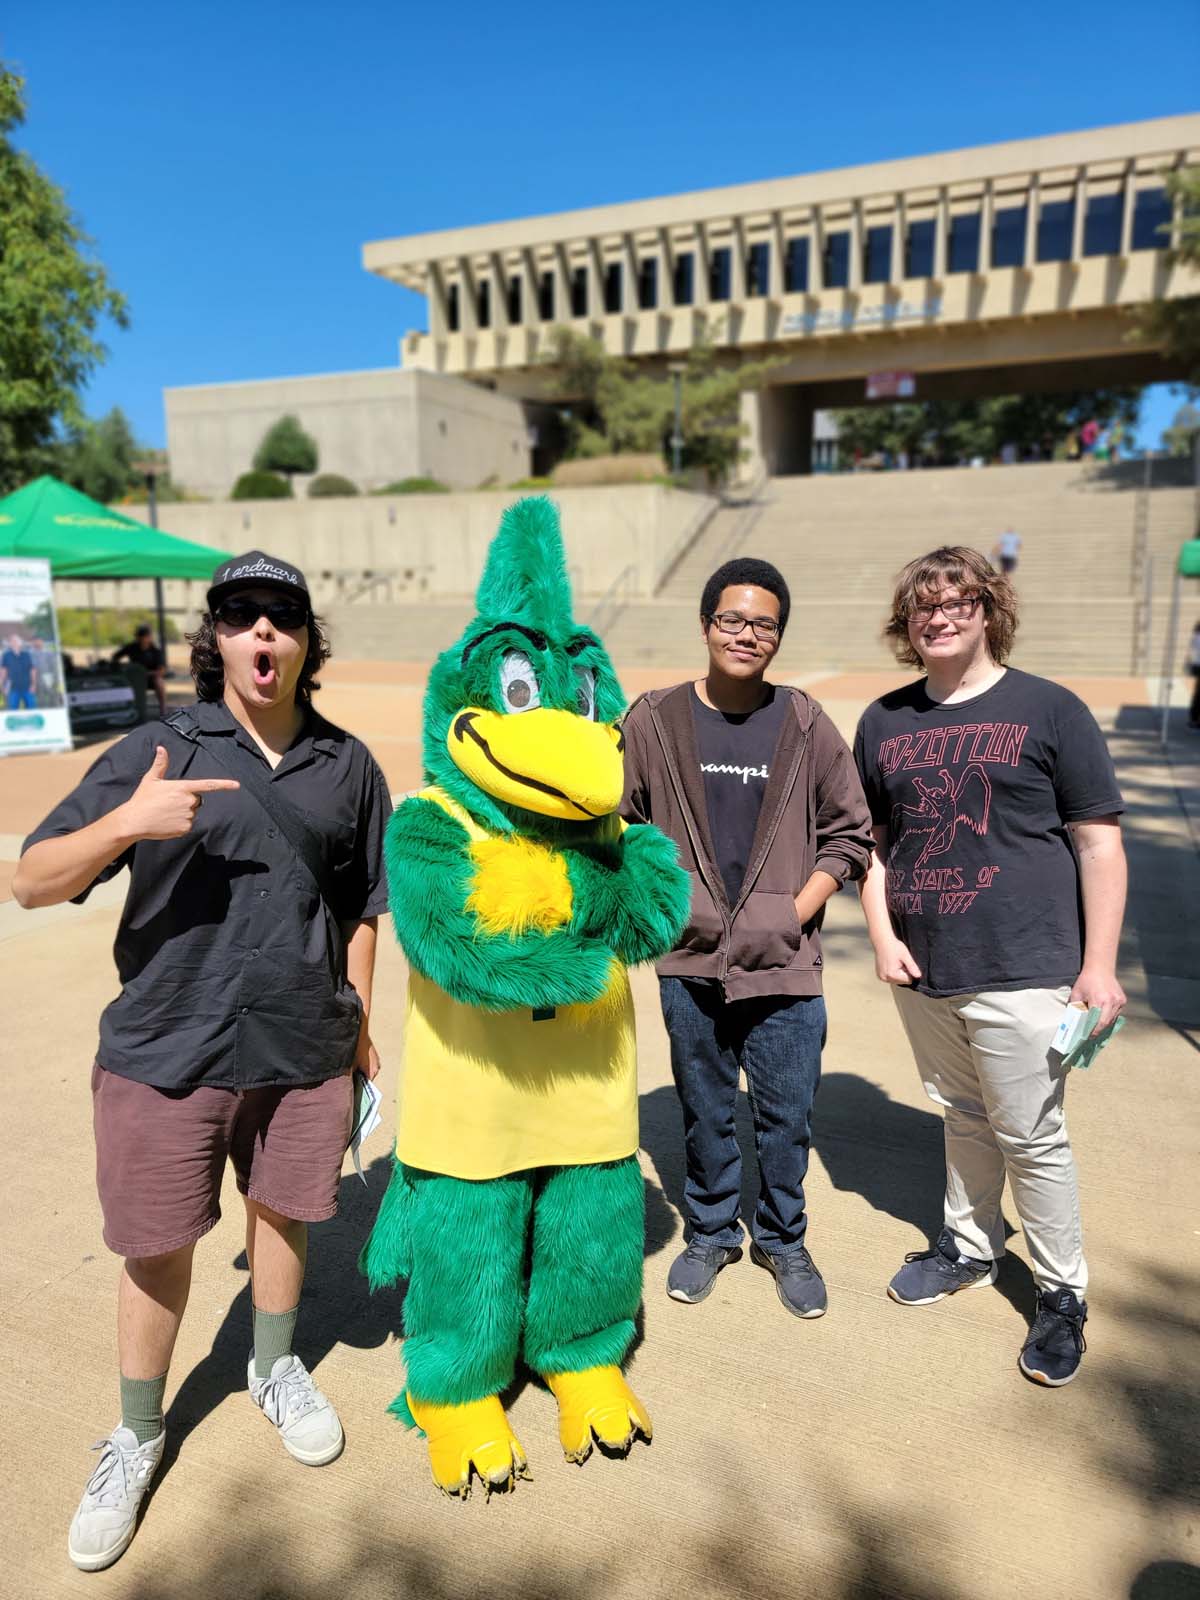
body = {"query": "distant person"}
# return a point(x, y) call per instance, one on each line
point(19, 673)
point(142, 652)
point(1194, 669)
point(1008, 549)
point(1088, 435)
point(1073, 447)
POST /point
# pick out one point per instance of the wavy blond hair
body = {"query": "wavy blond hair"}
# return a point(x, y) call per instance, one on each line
point(969, 572)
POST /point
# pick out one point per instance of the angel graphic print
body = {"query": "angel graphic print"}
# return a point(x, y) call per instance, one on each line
point(976, 798)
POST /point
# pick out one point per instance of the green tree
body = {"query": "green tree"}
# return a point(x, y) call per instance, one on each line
point(98, 457)
point(54, 297)
point(286, 448)
point(1175, 324)
point(942, 432)
point(1180, 438)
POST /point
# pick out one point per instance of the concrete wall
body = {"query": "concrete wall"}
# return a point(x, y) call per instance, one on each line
point(372, 427)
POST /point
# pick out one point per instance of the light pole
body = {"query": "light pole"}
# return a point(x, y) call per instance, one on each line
point(151, 471)
point(677, 370)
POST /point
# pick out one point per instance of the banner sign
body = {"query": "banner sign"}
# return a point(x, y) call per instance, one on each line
point(33, 705)
point(891, 385)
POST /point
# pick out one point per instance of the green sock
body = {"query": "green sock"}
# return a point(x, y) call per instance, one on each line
point(273, 1332)
point(142, 1406)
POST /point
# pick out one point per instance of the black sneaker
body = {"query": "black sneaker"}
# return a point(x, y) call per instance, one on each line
point(800, 1286)
point(929, 1275)
point(1055, 1346)
point(693, 1274)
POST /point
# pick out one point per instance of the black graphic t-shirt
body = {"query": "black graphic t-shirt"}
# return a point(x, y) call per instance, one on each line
point(982, 880)
point(735, 758)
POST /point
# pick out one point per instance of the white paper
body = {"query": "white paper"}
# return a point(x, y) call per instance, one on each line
point(367, 1099)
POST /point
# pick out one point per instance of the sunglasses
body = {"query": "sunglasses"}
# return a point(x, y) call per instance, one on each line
point(239, 611)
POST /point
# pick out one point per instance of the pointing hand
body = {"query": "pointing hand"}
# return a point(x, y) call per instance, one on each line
point(165, 808)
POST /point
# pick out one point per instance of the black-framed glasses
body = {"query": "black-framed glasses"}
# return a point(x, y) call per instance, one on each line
point(734, 622)
point(240, 611)
point(953, 610)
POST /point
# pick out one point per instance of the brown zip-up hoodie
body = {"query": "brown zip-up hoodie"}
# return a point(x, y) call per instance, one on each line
point(813, 815)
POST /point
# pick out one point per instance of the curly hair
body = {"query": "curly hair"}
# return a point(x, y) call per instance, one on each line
point(969, 572)
point(208, 670)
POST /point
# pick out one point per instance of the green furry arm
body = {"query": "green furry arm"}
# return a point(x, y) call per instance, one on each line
point(429, 878)
point(631, 893)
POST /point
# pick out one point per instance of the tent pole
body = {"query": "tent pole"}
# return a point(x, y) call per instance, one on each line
point(152, 507)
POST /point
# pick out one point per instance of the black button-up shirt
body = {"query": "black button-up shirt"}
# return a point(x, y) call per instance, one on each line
point(232, 966)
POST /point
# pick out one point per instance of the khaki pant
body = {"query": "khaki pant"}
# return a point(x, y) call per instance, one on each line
point(986, 1059)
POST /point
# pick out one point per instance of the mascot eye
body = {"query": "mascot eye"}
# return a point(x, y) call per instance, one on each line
point(585, 692)
point(518, 682)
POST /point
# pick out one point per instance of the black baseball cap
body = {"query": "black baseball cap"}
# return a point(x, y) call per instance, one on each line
point(257, 570)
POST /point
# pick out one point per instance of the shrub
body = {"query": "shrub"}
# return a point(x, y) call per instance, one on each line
point(286, 448)
point(414, 486)
point(330, 486)
point(261, 486)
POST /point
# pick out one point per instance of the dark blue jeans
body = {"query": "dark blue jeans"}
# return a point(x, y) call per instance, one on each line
point(777, 1040)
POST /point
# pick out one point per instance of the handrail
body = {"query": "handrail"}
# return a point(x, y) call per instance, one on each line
point(614, 599)
point(690, 534)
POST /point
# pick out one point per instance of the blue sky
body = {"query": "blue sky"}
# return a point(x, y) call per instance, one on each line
point(230, 160)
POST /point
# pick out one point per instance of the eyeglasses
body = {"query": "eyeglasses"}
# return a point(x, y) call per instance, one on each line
point(952, 610)
point(239, 611)
point(734, 622)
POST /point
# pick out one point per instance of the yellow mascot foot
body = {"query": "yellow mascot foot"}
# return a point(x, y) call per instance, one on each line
point(598, 1402)
point(475, 1435)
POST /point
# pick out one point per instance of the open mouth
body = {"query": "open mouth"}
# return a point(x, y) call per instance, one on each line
point(264, 671)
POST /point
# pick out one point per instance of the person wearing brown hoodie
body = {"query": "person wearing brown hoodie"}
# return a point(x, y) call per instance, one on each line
point(760, 794)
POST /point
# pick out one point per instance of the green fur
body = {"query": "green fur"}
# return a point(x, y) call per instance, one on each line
point(387, 1254)
point(631, 893)
point(470, 1287)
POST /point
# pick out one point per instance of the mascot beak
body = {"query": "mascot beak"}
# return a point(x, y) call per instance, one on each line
point(553, 762)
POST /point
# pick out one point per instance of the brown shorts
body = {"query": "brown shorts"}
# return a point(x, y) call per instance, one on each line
point(161, 1153)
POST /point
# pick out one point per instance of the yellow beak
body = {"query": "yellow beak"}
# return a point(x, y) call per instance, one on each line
point(553, 762)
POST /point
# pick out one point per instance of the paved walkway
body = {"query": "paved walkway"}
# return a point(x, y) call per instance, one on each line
point(878, 1452)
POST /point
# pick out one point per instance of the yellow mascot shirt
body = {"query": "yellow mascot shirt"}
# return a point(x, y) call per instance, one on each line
point(484, 1093)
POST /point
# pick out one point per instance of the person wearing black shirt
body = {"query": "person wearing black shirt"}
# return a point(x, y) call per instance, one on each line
point(246, 963)
point(995, 899)
point(142, 652)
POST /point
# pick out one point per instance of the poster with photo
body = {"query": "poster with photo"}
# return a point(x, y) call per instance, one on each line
point(33, 702)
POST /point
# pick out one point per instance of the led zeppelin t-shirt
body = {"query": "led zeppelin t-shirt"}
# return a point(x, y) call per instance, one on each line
point(735, 761)
point(982, 880)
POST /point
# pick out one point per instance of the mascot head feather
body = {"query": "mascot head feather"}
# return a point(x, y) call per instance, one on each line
point(520, 713)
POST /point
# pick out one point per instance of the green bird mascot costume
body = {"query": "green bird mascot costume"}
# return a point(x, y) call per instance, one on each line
point(516, 1205)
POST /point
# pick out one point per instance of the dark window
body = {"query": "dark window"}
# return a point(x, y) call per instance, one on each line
point(1151, 214)
point(685, 279)
point(758, 268)
point(1102, 224)
point(837, 260)
point(962, 243)
point(1008, 237)
point(483, 304)
point(648, 283)
point(579, 294)
point(877, 255)
point(452, 308)
point(514, 299)
point(546, 297)
point(612, 286)
point(719, 273)
point(795, 266)
point(919, 248)
point(1056, 224)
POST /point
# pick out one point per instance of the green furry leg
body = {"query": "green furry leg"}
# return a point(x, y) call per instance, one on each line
point(462, 1313)
point(585, 1281)
point(387, 1254)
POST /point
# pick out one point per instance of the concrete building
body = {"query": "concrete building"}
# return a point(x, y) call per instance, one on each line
point(372, 427)
point(996, 269)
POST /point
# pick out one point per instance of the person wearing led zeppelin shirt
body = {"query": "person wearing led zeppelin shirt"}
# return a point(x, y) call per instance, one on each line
point(246, 989)
point(995, 897)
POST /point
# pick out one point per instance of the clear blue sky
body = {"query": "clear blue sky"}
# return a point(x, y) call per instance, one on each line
point(230, 160)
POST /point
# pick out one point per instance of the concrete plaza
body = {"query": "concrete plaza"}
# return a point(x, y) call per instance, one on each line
point(881, 1451)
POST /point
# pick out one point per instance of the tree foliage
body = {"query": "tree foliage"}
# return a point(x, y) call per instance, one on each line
point(616, 408)
point(1175, 324)
point(54, 297)
point(1180, 438)
point(98, 457)
point(286, 448)
point(261, 486)
point(943, 432)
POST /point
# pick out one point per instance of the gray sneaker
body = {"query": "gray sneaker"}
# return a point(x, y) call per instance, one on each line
point(800, 1285)
point(307, 1423)
point(107, 1516)
point(693, 1273)
point(929, 1275)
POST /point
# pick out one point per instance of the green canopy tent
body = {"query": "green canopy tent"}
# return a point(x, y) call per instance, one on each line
point(81, 538)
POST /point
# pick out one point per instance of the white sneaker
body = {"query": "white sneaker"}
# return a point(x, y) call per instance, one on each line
point(307, 1423)
point(106, 1520)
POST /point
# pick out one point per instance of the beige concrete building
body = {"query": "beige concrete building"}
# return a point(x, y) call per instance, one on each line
point(372, 427)
point(994, 269)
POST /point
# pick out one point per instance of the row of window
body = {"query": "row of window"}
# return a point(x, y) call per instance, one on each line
point(1102, 225)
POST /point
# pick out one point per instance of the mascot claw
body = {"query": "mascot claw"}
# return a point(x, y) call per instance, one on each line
point(597, 1402)
point(475, 1436)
